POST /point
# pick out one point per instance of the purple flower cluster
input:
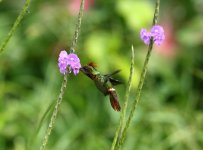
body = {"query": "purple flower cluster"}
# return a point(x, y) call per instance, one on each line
point(66, 60)
point(157, 32)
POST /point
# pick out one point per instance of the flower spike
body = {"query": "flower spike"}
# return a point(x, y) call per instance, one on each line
point(157, 32)
point(66, 60)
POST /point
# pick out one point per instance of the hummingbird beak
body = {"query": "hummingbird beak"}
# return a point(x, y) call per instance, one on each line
point(84, 70)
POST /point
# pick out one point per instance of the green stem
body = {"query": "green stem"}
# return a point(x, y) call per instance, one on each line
point(78, 25)
point(15, 25)
point(142, 79)
point(128, 87)
point(64, 83)
point(54, 114)
point(123, 113)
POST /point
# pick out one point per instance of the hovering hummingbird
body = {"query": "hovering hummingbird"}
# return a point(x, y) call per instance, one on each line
point(104, 83)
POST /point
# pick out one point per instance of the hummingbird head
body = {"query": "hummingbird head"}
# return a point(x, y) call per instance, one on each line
point(89, 70)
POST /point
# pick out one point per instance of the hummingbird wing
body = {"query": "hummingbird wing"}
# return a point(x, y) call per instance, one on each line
point(113, 73)
point(111, 79)
point(114, 81)
point(114, 99)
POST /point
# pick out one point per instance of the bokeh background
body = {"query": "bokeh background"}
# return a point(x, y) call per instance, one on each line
point(170, 113)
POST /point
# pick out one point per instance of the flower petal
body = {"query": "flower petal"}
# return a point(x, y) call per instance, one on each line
point(157, 32)
point(145, 36)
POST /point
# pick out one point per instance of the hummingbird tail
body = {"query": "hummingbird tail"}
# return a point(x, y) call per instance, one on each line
point(114, 99)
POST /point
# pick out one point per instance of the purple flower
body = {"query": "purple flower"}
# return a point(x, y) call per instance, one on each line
point(66, 60)
point(145, 36)
point(74, 62)
point(73, 59)
point(62, 61)
point(76, 68)
point(158, 34)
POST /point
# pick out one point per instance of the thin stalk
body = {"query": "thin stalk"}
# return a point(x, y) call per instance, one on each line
point(54, 114)
point(142, 79)
point(77, 28)
point(15, 25)
point(64, 83)
point(128, 88)
point(123, 113)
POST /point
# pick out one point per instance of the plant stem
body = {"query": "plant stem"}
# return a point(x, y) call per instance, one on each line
point(77, 28)
point(64, 83)
point(54, 114)
point(15, 25)
point(142, 79)
point(128, 87)
point(123, 113)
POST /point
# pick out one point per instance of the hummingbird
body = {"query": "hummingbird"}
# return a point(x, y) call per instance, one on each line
point(105, 83)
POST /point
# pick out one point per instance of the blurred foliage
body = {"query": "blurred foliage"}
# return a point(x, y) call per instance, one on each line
point(169, 115)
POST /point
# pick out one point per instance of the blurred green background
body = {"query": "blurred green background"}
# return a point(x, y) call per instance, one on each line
point(169, 115)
